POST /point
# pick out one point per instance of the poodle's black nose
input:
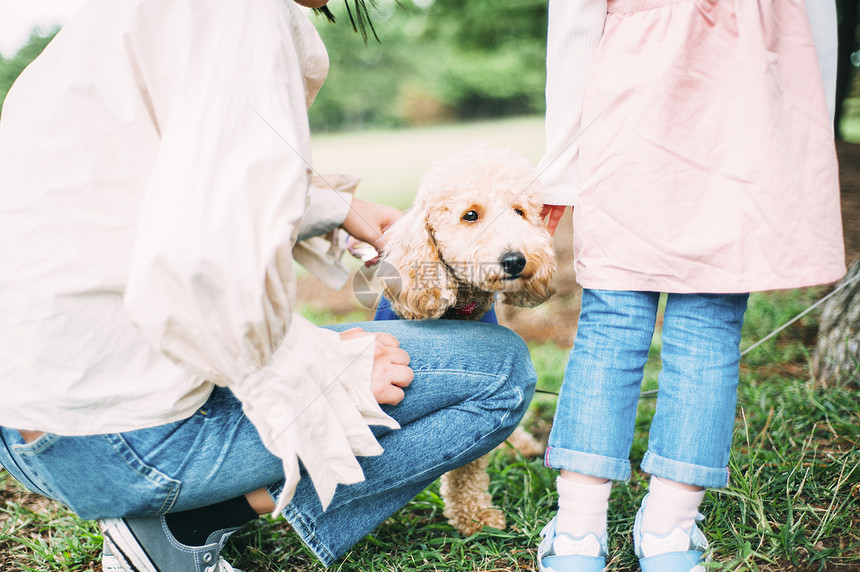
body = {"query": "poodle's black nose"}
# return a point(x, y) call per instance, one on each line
point(513, 262)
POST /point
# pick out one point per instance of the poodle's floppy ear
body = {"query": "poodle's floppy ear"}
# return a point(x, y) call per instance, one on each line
point(422, 287)
point(539, 288)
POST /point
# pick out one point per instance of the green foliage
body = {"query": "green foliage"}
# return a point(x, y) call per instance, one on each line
point(11, 68)
point(449, 60)
point(435, 61)
point(365, 78)
point(495, 55)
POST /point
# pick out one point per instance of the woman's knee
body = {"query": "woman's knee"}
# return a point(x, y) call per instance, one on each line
point(451, 350)
point(511, 358)
point(505, 353)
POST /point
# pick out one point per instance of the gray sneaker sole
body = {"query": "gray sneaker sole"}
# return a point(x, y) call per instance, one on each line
point(125, 546)
point(110, 562)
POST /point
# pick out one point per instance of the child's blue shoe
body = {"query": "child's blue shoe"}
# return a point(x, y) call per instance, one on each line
point(678, 550)
point(584, 554)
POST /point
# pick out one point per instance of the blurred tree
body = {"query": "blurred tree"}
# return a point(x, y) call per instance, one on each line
point(837, 354)
point(495, 55)
point(436, 60)
point(847, 30)
point(366, 78)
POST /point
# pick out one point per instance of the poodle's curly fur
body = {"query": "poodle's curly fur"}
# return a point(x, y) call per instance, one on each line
point(472, 209)
point(473, 233)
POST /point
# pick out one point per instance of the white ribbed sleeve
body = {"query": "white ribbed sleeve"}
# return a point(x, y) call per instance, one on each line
point(822, 20)
point(575, 29)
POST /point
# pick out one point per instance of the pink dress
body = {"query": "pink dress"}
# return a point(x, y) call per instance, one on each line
point(706, 161)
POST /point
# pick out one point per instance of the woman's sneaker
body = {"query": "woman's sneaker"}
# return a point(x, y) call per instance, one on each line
point(110, 563)
point(678, 550)
point(561, 552)
point(147, 545)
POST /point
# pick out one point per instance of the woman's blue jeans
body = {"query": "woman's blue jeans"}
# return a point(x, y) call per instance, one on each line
point(691, 433)
point(473, 383)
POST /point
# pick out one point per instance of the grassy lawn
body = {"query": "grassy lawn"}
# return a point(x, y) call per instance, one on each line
point(793, 503)
point(392, 162)
point(794, 498)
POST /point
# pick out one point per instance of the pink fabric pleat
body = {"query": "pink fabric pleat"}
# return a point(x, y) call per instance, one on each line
point(709, 163)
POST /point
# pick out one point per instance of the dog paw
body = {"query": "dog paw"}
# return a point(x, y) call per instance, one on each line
point(469, 525)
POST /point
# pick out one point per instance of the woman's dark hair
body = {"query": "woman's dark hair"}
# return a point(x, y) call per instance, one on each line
point(359, 16)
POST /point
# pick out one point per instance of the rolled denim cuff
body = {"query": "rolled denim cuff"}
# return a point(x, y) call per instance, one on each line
point(587, 464)
point(678, 471)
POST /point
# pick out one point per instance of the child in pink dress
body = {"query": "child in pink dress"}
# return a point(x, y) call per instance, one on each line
point(693, 138)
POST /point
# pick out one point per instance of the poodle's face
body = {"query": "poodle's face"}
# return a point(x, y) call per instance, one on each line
point(475, 225)
point(491, 238)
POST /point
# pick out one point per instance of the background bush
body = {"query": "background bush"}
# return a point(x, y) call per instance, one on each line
point(435, 61)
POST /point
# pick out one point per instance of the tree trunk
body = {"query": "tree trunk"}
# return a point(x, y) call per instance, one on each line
point(837, 355)
point(847, 31)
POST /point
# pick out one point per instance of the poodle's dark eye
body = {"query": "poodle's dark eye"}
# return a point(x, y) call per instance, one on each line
point(470, 216)
point(520, 212)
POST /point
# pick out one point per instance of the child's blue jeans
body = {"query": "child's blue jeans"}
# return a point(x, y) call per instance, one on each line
point(473, 383)
point(691, 433)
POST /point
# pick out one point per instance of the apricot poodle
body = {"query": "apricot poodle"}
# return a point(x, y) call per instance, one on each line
point(472, 236)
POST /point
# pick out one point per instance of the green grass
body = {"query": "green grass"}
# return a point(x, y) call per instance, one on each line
point(793, 502)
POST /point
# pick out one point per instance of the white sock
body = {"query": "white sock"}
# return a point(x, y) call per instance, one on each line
point(582, 507)
point(669, 507)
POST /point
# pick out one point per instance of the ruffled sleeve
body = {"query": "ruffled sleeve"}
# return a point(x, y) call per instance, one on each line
point(212, 283)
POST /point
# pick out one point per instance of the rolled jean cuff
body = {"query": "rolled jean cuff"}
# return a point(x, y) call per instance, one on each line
point(688, 473)
point(588, 464)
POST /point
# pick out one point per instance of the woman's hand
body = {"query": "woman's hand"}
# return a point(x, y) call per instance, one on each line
point(391, 372)
point(552, 214)
point(367, 221)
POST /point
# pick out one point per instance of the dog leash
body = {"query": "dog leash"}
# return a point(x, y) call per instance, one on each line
point(653, 392)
